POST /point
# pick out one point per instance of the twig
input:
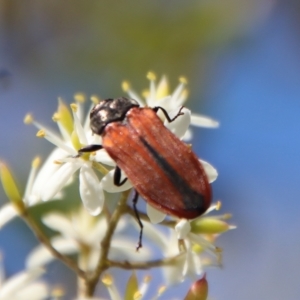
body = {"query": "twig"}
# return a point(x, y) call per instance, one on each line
point(103, 264)
point(144, 265)
point(42, 237)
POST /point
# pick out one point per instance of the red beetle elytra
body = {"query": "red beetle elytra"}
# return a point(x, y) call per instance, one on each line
point(162, 169)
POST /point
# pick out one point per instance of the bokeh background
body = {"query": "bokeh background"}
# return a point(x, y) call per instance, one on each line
point(242, 60)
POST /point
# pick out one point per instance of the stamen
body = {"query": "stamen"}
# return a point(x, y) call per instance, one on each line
point(80, 97)
point(74, 107)
point(227, 216)
point(58, 293)
point(145, 93)
point(41, 133)
point(107, 279)
point(125, 86)
point(28, 119)
point(36, 162)
point(218, 205)
point(56, 141)
point(95, 99)
point(183, 80)
point(151, 76)
point(161, 290)
point(137, 295)
point(56, 117)
point(78, 130)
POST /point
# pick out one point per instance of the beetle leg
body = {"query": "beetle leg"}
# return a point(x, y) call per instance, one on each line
point(156, 108)
point(135, 200)
point(117, 177)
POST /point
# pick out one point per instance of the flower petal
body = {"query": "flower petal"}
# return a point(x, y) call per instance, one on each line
point(19, 281)
point(188, 136)
point(59, 223)
point(200, 240)
point(158, 237)
point(44, 174)
point(86, 124)
point(125, 250)
point(96, 232)
point(33, 291)
point(176, 98)
point(131, 93)
point(203, 121)
point(173, 274)
point(193, 266)
point(109, 186)
point(162, 89)
point(182, 228)
point(91, 191)
point(79, 129)
point(57, 141)
point(7, 212)
point(210, 171)
point(155, 215)
point(163, 102)
point(59, 179)
point(103, 157)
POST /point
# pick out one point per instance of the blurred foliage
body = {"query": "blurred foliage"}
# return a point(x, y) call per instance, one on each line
point(92, 40)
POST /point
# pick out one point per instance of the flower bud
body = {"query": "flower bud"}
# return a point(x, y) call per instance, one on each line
point(10, 188)
point(209, 225)
point(198, 290)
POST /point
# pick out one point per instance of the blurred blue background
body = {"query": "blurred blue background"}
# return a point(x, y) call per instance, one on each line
point(242, 60)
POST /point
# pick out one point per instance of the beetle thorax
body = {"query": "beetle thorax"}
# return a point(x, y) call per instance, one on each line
point(110, 110)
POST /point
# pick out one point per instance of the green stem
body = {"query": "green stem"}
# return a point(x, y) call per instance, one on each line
point(144, 265)
point(43, 238)
point(103, 263)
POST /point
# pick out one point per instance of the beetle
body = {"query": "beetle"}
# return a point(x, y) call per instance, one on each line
point(162, 169)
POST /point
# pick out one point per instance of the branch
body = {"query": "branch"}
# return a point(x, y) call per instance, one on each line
point(144, 265)
point(103, 264)
point(43, 238)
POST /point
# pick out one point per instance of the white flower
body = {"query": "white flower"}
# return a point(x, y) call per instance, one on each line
point(191, 262)
point(82, 233)
point(142, 292)
point(194, 250)
point(168, 243)
point(24, 285)
point(64, 162)
point(32, 192)
point(75, 136)
point(159, 95)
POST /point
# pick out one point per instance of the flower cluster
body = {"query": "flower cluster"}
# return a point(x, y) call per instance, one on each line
point(97, 231)
point(24, 285)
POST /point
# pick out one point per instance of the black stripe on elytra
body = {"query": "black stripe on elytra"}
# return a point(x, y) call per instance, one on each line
point(191, 198)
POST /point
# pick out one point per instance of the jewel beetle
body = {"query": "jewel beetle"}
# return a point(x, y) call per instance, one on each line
point(163, 170)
